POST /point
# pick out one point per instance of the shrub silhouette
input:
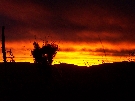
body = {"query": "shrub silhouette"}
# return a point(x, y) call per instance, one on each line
point(45, 54)
point(11, 56)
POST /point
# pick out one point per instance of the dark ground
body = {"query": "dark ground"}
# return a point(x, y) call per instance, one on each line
point(25, 81)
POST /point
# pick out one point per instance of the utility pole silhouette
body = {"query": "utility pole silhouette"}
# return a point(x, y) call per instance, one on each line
point(3, 45)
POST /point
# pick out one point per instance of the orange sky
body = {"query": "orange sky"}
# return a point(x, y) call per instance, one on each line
point(83, 29)
point(82, 54)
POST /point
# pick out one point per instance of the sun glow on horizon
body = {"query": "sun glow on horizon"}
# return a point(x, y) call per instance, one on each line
point(78, 54)
point(78, 59)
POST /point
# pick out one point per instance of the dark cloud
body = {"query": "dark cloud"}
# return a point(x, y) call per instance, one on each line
point(68, 49)
point(112, 52)
point(101, 51)
point(70, 21)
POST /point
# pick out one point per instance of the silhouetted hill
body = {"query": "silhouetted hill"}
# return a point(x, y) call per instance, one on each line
point(27, 81)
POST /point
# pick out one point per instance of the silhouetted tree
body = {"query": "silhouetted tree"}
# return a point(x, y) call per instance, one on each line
point(45, 54)
point(11, 56)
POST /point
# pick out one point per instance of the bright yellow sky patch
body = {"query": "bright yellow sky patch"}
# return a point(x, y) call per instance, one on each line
point(22, 53)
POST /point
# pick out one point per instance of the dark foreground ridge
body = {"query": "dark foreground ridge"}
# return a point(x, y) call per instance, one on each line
point(26, 81)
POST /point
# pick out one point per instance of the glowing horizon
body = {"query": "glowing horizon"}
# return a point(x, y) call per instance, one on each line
point(73, 53)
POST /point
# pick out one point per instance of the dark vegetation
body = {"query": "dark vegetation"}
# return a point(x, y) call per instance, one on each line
point(45, 54)
point(26, 81)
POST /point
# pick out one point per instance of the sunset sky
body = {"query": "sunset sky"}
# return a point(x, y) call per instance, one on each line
point(87, 31)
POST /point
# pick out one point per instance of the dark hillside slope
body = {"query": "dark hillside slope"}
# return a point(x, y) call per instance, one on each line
point(25, 81)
